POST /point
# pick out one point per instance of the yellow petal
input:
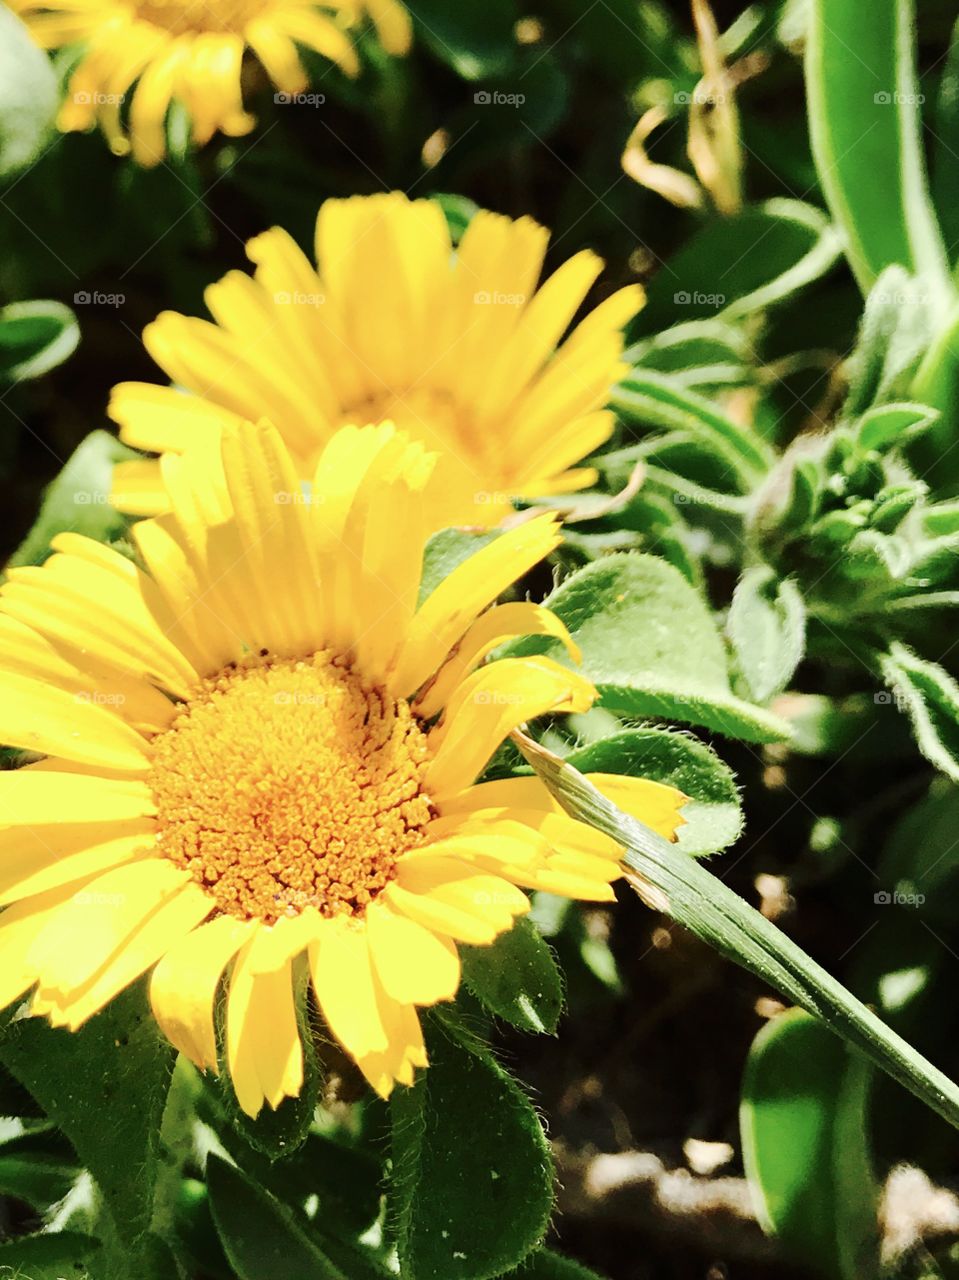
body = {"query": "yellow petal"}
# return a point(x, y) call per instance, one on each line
point(32, 797)
point(161, 929)
point(489, 630)
point(99, 918)
point(264, 1052)
point(489, 705)
point(415, 965)
point(184, 983)
point(34, 859)
point(20, 926)
point(343, 980)
point(465, 593)
point(35, 716)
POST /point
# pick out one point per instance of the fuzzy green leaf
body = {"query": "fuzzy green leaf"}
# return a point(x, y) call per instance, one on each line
point(517, 979)
point(117, 1066)
point(46, 1256)
point(35, 337)
point(767, 629)
point(78, 499)
point(544, 1264)
point(468, 1151)
point(652, 648)
point(260, 1235)
point(713, 815)
point(930, 697)
point(803, 1121)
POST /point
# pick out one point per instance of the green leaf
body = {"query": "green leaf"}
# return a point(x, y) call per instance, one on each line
point(767, 629)
point(703, 903)
point(741, 264)
point(28, 94)
point(893, 425)
point(896, 333)
point(472, 1187)
point(260, 1236)
point(117, 1066)
point(930, 697)
point(46, 1256)
point(517, 979)
point(803, 1123)
point(866, 130)
point(656, 400)
point(651, 647)
point(34, 1167)
point(78, 499)
point(544, 1264)
point(945, 162)
point(35, 337)
point(704, 354)
point(713, 815)
point(474, 36)
point(459, 212)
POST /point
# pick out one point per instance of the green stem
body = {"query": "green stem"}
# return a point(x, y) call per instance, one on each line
point(682, 887)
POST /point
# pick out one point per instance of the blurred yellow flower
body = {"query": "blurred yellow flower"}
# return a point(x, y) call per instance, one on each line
point(140, 55)
point(459, 348)
point(261, 752)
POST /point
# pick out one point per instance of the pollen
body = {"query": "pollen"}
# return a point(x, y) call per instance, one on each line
point(285, 784)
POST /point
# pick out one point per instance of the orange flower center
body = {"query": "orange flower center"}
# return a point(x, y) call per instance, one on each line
point(180, 16)
point(291, 783)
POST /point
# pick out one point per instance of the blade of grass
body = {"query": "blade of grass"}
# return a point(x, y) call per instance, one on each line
point(683, 888)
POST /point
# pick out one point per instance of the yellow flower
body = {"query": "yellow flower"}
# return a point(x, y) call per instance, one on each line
point(460, 350)
point(260, 756)
point(192, 51)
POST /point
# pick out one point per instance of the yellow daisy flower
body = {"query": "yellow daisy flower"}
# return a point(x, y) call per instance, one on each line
point(260, 756)
point(192, 51)
point(459, 349)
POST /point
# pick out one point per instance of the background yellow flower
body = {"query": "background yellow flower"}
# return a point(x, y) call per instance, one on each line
point(460, 349)
point(147, 53)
